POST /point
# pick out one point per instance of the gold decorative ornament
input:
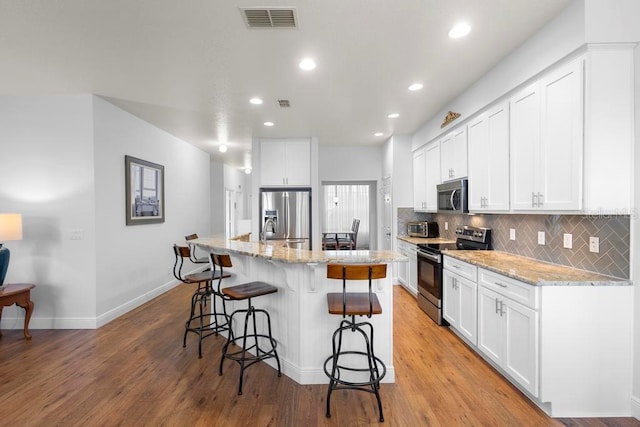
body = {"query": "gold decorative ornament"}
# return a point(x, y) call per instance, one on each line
point(451, 116)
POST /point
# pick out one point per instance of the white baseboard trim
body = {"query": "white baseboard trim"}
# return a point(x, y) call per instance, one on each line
point(17, 322)
point(116, 312)
point(49, 323)
point(635, 407)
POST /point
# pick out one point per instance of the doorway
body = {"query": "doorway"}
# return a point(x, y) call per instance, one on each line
point(345, 200)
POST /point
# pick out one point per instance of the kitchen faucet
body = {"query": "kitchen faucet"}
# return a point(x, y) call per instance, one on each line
point(264, 228)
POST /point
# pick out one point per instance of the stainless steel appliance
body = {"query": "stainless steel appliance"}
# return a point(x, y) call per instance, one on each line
point(423, 229)
point(452, 197)
point(285, 216)
point(430, 267)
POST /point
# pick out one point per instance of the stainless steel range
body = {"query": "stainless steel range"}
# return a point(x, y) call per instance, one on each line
point(430, 267)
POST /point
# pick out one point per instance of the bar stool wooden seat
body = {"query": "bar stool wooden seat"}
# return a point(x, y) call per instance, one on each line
point(354, 369)
point(201, 322)
point(248, 354)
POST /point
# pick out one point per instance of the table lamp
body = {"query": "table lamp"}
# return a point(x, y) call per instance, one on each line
point(10, 229)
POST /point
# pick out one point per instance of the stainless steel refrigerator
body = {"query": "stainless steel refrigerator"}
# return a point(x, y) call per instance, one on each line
point(285, 216)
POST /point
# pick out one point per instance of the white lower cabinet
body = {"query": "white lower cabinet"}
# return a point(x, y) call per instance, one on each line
point(408, 271)
point(508, 335)
point(547, 340)
point(460, 298)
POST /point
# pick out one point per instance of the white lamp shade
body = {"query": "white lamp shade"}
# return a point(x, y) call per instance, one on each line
point(10, 227)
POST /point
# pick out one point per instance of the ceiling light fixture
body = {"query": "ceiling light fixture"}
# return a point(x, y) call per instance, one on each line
point(223, 148)
point(307, 64)
point(255, 101)
point(459, 30)
point(268, 124)
point(247, 171)
point(393, 115)
point(416, 86)
point(378, 134)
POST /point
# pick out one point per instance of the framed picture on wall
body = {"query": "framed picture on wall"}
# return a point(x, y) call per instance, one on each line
point(144, 182)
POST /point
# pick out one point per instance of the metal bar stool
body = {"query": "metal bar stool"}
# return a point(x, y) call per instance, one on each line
point(343, 367)
point(201, 322)
point(192, 255)
point(246, 291)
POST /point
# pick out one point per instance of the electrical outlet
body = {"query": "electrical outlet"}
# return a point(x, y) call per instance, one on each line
point(567, 242)
point(446, 225)
point(541, 237)
point(512, 234)
point(594, 244)
point(76, 234)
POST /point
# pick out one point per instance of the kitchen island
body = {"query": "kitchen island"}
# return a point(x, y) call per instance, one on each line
point(301, 323)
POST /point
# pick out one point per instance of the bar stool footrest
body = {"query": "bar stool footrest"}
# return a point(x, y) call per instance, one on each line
point(245, 355)
point(376, 377)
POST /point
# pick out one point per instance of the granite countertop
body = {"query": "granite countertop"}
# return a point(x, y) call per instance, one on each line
point(278, 251)
point(422, 240)
point(535, 272)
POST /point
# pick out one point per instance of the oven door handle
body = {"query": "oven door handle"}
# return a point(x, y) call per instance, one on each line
point(434, 258)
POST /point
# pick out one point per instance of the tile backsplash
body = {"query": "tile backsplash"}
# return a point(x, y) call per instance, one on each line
point(613, 232)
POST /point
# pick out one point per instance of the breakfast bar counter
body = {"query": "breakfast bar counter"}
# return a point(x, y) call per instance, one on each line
point(301, 323)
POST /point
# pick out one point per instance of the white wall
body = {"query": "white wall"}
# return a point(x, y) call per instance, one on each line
point(612, 21)
point(217, 197)
point(563, 35)
point(350, 163)
point(46, 159)
point(133, 262)
point(63, 163)
point(398, 163)
point(635, 244)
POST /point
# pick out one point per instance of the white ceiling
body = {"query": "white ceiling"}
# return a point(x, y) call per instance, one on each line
point(190, 67)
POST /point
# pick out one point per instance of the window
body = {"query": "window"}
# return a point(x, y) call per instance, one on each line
point(345, 201)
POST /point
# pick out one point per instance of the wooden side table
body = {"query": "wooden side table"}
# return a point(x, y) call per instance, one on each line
point(19, 294)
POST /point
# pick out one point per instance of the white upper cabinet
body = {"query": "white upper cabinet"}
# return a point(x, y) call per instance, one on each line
point(488, 146)
point(285, 162)
point(454, 155)
point(432, 178)
point(419, 180)
point(426, 176)
point(546, 142)
point(609, 130)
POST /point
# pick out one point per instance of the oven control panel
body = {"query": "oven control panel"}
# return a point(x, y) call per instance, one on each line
point(476, 234)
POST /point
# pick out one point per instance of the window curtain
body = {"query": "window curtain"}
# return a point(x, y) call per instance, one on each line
point(344, 203)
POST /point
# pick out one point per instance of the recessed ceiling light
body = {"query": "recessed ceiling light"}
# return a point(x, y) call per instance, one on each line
point(459, 30)
point(393, 115)
point(223, 148)
point(247, 171)
point(268, 123)
point(416, 86)
point(378, 134)
point(307, 64)
point(255, 101)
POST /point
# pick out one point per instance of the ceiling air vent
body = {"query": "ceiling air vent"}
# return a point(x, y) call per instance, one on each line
point(284, 103)
point(269, 18)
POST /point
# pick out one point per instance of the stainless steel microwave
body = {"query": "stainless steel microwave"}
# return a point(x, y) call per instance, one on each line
point(452, 197)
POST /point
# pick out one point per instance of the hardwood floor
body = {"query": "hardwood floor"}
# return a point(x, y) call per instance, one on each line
point(134, 371)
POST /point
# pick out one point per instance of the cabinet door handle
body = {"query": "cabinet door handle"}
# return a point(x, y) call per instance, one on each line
point(502, 312)
point(497, 309)
point(534, 202)
point(540, 200)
